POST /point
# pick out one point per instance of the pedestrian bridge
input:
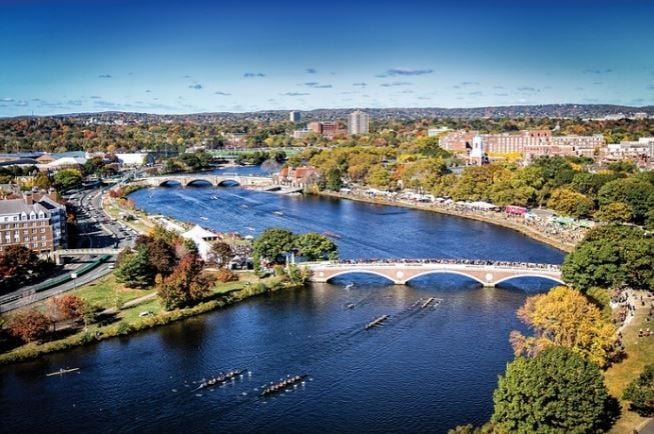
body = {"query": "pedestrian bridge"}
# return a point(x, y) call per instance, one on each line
point(56, 255)
point(400, 272)
point(198, 179)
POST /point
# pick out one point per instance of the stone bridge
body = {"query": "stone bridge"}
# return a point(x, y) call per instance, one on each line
point(487, 273)
point(191, 179)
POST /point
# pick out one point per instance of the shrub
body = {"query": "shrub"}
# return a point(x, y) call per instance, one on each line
point(226, 275)
point(641, 393)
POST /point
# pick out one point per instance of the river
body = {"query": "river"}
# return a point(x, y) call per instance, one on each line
point(422, 371)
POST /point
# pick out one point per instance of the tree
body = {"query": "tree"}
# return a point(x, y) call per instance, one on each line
point(18, 266)
point(614, 212)
point(186, 285)
point(378, 176)
point(30, 325)
point(557, 391)
point(636, 193)
point(570, 203)
point(641, 392)
point(161, 254)
point(67, 178)
point(564, 317)
point(315, 246)
point(272, 244)
point(134, 269)
point(223, 253)
point(334, 179)
point(611, 255)
point(69, 306)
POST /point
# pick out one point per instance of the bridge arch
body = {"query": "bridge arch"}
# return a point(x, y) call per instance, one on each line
point(228, 182)
point(459, 273)
point(538, 275)
point(375, 273)
point(198, 182)
point(169, 183)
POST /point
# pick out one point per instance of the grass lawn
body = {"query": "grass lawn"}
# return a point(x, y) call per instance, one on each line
point(104, 292)
point(640, 351)
point(244, 279)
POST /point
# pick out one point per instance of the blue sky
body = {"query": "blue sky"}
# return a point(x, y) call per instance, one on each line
point(164, 56)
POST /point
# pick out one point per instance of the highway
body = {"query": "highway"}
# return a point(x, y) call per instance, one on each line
point(96, 229)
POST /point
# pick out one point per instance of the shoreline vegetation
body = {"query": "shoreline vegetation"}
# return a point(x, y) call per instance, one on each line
point(123, 308)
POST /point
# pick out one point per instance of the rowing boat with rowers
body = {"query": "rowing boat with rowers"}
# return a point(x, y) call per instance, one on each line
point(222, 378)
point(62, 371)
point(283, 385)
point(376, 322)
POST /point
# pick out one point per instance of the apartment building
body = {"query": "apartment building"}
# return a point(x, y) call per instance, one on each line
point(529, 143)
point(36, 221)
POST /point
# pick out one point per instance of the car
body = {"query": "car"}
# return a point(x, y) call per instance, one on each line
point(112, 266)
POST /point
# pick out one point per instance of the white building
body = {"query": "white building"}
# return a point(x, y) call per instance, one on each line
point(203, 240)
point(359, 123)
point(477, 152)
point(135, 159)
point(294, 116)
point(642, 150)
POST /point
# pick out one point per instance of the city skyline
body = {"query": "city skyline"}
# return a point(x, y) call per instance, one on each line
point(160, 57)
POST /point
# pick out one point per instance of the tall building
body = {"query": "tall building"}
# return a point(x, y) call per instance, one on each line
point(477, 152)
point(294, 116)
point(359, 123)
point(36, 221)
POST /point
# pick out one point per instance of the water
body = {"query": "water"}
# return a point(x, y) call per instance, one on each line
point(423, 370)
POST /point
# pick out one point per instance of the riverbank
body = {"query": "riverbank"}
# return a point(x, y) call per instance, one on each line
point(123, 312)
point(523, 229)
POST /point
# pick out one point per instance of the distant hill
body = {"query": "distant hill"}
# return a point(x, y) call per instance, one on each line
point(535, 111)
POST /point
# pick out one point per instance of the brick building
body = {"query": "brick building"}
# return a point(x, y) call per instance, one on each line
point(529, 143)
point(36, 221)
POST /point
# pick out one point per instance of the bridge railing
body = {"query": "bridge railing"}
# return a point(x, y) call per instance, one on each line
point(466, 263)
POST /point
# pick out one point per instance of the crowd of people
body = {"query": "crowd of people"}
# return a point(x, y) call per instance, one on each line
point(453, 261)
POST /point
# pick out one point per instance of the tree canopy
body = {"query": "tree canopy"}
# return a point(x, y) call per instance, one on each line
point(641, 392)
point(612, 255)
point(564, 317)
point(554, 392)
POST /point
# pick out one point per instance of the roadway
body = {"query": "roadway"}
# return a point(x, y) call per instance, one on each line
point(96, 230)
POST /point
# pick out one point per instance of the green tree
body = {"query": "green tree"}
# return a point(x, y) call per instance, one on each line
point(67, 178)
point(612, 255)
point(334, 179)
point(315, 246)
point(641, 393)
point(636, 193)
point(555, 392)
point(272, 244)
point(134, 269)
